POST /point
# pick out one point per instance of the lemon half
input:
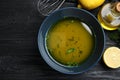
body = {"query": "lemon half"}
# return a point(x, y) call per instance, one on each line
point(111, 57)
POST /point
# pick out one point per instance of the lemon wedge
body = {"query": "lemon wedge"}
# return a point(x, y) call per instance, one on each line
point(111, 57)
point(91, 4)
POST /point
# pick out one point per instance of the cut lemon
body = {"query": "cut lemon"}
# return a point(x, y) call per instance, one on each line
point(111, 57)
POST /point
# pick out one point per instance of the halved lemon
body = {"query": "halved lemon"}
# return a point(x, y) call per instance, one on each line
point(111, 57)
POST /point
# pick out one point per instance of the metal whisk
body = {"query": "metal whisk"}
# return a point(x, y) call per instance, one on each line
point(45, 7)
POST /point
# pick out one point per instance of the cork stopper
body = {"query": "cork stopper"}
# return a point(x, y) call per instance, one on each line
point(117, 6)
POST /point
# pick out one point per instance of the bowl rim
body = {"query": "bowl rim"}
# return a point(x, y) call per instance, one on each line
point(47, 58)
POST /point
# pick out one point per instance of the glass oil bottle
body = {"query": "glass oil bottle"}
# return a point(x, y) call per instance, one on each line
point(109, 16)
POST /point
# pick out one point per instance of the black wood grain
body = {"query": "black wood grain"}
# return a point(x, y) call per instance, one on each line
point(19, 55)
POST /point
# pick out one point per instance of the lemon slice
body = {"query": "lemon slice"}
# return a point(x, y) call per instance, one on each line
point(111, 57)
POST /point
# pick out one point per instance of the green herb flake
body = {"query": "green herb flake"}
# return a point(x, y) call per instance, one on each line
point(114, 36)
point(70, 50)
point(72, 21)
point(72, 64)
point(118, 29)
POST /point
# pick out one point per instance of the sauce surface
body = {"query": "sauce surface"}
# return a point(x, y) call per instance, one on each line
point(70, 42)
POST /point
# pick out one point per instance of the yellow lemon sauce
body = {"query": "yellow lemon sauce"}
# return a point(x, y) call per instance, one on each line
point(69, 42)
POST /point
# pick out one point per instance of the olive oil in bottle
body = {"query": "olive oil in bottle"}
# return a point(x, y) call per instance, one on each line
point(109, 16)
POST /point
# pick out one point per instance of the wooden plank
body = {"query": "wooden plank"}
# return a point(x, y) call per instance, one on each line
point(19, 55)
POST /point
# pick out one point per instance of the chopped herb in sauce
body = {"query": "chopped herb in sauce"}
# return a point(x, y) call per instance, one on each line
point(80, 51)
point(71, 39)
point(72, 64)
point(70, 50)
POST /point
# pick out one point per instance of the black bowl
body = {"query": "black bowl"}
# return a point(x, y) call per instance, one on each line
point(85, 17)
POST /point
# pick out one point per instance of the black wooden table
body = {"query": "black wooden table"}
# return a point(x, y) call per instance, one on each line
point(19, 55)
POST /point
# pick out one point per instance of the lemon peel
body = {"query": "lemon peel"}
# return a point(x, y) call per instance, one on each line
point(91, 4)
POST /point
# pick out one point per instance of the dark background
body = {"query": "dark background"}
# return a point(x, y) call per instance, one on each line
point(19, 55)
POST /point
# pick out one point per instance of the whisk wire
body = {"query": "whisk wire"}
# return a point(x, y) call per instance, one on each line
point(45, 7)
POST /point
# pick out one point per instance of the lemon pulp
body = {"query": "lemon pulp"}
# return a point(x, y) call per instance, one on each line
point(111, 57)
